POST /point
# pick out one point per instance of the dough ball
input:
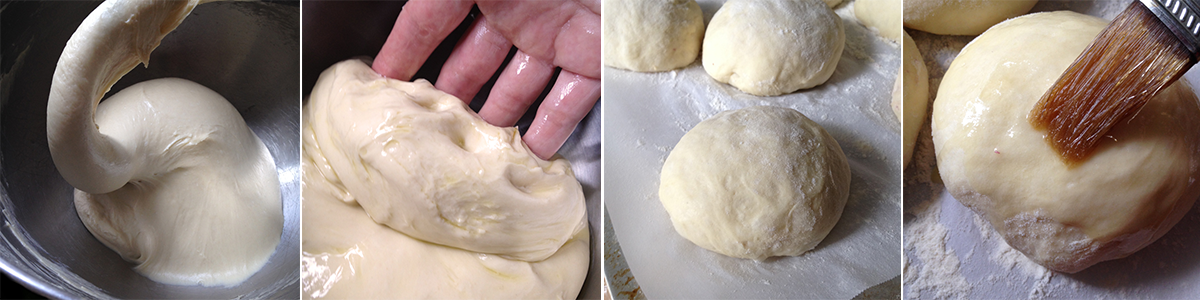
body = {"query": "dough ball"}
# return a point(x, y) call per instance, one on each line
point(755, 182)
point(916, 95)
point(1134, 188)
point(769, 48)
point(961, 17)
point(883, 15)
point(651, 35)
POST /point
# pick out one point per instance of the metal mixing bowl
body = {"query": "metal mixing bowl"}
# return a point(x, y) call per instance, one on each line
point(246, 51)
point(339, 30)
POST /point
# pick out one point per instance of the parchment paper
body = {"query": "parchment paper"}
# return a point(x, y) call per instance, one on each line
point(646, 115)
point(974, 262)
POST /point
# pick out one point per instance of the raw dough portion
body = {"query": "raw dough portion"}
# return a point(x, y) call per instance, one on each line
point(916, 95)
point(883, 15)
point(755, 182)
point(349, 256)
point(420, 198)
point(420, 162)
point(168, 174)
point(205, 208)
point(651, 35)
point(1135, 187)
point(770, 48)
point(961, 17)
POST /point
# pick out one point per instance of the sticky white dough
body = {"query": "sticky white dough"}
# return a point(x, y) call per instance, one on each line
point(651, 35)
point(755, 183)
point(770, 48)
point(1136, 186)
point(168, 174)
point(961, 17)
point(430, 197)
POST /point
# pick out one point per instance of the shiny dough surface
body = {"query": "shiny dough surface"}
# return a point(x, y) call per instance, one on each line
point(412, 195)
point(1136, 187)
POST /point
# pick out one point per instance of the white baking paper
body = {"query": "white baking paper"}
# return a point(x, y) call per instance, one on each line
point(940, 231)
point(647, 113)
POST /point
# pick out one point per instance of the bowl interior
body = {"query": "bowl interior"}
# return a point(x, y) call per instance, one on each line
point(245, 51)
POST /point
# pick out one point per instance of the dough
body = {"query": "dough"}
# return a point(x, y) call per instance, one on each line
point(916, 95)
point(883, 15)
point(651, 35)
point(961, 17)
point(1135, 187)
point(770, 48)
point(755, 182)
point(168, 174)
point(423, 199)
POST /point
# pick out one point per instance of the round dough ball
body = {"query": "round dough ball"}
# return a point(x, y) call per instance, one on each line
point(916, 95)
point(961, 17)
point(651, 35)
point(769, 48)
point(1134, 188)
point(755, 182)
point(883, 15)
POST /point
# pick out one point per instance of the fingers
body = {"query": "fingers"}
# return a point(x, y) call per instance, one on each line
point(578, 45)
point(518, 86)
point(476, 57)
point(566, 33)
point(569, 101)
point(422, 25)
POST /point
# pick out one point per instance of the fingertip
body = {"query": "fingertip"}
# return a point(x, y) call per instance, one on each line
point(570, 100)
point(384, 65)
point(543, 144)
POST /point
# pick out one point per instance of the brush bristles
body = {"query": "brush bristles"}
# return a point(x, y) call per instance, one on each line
point(1133, 59)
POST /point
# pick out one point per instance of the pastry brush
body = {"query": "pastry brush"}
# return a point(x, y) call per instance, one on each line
point(1145, 49)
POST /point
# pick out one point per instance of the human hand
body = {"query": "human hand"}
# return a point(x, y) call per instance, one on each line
point(547, 34)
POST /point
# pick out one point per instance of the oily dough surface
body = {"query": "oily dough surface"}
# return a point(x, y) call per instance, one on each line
point(755, 183)
point(961, 17)
point(651, 36)
point(770, 48)
point(412, 195)
point(1137, 185)
point(883, 15)
point(167, 173)
point(916, 95)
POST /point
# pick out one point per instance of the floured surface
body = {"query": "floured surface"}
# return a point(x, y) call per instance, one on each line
point(1165, 269)
point(649, 112)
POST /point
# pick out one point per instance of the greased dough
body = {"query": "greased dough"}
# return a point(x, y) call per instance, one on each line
point(652, 35)
point(916, 95)
point(168, 174)
point(883, 15)
point(961, 17)
point(1136, 186)
point(755, 182)
point(770, 48)
point(423, 199)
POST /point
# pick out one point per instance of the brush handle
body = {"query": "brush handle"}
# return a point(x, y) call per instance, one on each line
point(1182, 17)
